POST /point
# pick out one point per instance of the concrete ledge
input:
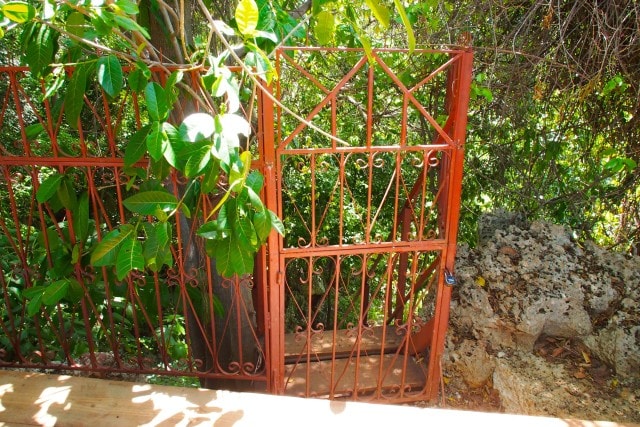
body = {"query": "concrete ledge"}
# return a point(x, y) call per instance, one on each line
point(39, 399)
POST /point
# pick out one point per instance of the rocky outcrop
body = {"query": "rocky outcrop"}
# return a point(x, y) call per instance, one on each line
point(525, 282)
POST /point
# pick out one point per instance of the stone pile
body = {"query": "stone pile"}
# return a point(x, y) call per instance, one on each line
point(526, 282)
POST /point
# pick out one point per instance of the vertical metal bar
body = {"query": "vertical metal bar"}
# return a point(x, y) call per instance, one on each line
point(274, 339)
point(461, 96)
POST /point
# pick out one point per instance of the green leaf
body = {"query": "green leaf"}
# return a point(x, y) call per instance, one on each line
point(55, 292)
point(81, 218)
point(255, 181)
point(105, 252)
point(324, 27)
point(156, 250)
point(196, 127)
point(237, 176)
point(156, 101)
point(18, 11)
point(35, 304)
point(128, 7)
point(74, 98)
point(75, 24)
point(247, 15)
point(147, 202)
point(411, 38)
point(110, 75)
point(245, 234)
point(157, 141)
point(213, 230)
point(33, 292)
point(380, 11)
point(210, 178)
point(39, 52)
point(230, 257)
point(129, 257)
point(136, 147)
point(160, 168)
point(276, 223)
point(49, 187)
point(67, 195)
point(131, 25)
point(262, 225)
point(197, 157)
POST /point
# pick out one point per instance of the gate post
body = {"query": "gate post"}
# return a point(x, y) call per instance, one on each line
point(459, 104)
point(271, 274)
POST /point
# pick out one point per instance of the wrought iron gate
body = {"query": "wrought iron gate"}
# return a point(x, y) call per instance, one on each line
point(368, 187)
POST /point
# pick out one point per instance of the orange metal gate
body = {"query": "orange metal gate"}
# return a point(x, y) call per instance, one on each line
point(368, 187)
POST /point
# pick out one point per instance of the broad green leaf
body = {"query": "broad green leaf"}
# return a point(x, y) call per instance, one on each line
point(53, 82)
point(110, 75)
point(127, 6)
point(198, 156)
point(81, 218)
point(255, 181)
point(156, 250)
point(129, 257)
point(55, 292)
point(380, 11)
point(196, 127)
point(210, 178)
point(262, 225)
point(276, 223)
point(157, 141)
point(18, 11)
point(324, 27)
point(247, 15)
point(49, 187)
point(137, 146)
point(411, 38)
point(237, 175)
point(34, 305)
point(213, 230)
point(147, 202)
point(160, 168)
point(156, 101)
point(39, 49)
point(105, 252)
point(67, 195)
point(74, 98)
point(230, 257)
point(131, 25)
point(75, 24)
point(245, 234)
point(32, 292)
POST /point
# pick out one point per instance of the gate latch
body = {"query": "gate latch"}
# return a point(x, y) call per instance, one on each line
point(449, 278)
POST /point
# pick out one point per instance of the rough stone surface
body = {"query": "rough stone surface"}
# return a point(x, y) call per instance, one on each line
point(530, 284)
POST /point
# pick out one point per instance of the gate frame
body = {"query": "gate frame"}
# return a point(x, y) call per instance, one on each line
point(272, 260)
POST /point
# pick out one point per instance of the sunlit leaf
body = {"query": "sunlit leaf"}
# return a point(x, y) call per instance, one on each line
point(247, 15)
point(324, 27)
point(75, 24)
point(380, 11)
point(18, 11)
point(411, 38)
point(196, 127)
point(156, 141)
